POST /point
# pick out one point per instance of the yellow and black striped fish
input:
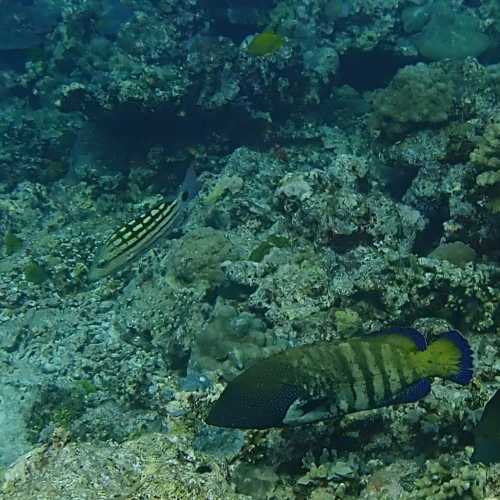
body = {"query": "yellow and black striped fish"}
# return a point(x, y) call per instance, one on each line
point(329, 379)
point(131, 240)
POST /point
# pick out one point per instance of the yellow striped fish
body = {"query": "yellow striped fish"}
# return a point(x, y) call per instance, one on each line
point(134, 238)
point(329, 379)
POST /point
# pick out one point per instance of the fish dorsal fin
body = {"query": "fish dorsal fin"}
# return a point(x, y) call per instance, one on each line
point(406, 339)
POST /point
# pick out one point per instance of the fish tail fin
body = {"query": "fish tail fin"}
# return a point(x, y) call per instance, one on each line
point(450, 357)
point(190, 186)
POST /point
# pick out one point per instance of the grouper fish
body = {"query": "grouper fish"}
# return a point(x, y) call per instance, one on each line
point(327, 380)
point(487, 433)
point(134, 238)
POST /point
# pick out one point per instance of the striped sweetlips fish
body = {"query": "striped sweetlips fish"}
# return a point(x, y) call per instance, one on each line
point(329, 379)
point(134, 238)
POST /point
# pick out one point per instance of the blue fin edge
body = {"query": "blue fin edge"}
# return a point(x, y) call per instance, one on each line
point(412, 393)
point(466, 370)
point(414, 335)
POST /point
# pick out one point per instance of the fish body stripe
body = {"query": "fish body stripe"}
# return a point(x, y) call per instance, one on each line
point(409, 371)
point(401, 365)
point(368, 377)
point(359, 387)
point(325, 380)
point(376, 376)
point(384, 377)
point(347, 396)
point(129, 233)
point(391, 370)
point(131, 240)
point(140, 234)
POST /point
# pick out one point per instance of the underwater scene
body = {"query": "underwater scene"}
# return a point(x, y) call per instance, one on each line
point(249, 249)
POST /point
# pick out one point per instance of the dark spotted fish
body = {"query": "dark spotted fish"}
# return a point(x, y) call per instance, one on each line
point(487, 433)
point(329, 379)
point(131, 240)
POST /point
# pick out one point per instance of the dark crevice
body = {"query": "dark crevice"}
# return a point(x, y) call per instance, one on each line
point(343, 243)
point(429, 237)
point(236, 19)
point(197, 127)
point(491, 55)
point(399, 180)
point(370, 70)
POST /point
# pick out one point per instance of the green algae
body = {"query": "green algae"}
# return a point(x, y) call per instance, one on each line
point(35, 273)
point(265, 247)
point(457, 252)
point(12, 243)
point(55, 170)
point(451, 35)
point(62, 417)
point(348, 322)
point(85, 386)
point(197, 258)
point(485, 156)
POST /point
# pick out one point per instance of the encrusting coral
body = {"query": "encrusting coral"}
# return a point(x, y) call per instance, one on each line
point(486, 156)
point(418, 96)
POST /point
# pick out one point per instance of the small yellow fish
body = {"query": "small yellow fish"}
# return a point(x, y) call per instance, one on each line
point(265, 43)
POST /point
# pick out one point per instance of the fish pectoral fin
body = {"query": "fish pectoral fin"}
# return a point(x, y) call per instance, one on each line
point(412, 393)
point(304, 411)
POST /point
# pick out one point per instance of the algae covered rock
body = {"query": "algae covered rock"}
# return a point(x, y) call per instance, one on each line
point(418, 96)
point(15, 434)
point(35, 273)
point(230, 342)
point(457, 253)
point(297, 294)
point(486, 156)
point(448, 478)
point(255, 481)
point(197, 258)
point(160, 316)
point(153, 466)
point(219, 442)
point(24, 24)
point(35, 144)
point(415, 17)
point(451, 35)
point(348, 322)
point(12, 243)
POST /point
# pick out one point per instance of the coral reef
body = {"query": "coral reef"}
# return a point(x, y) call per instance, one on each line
point(230, 342)
point(152, 466)
point(485, 156)
point(197, 260)
point(419, 95)
point(449, 34)
point(349, 182)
